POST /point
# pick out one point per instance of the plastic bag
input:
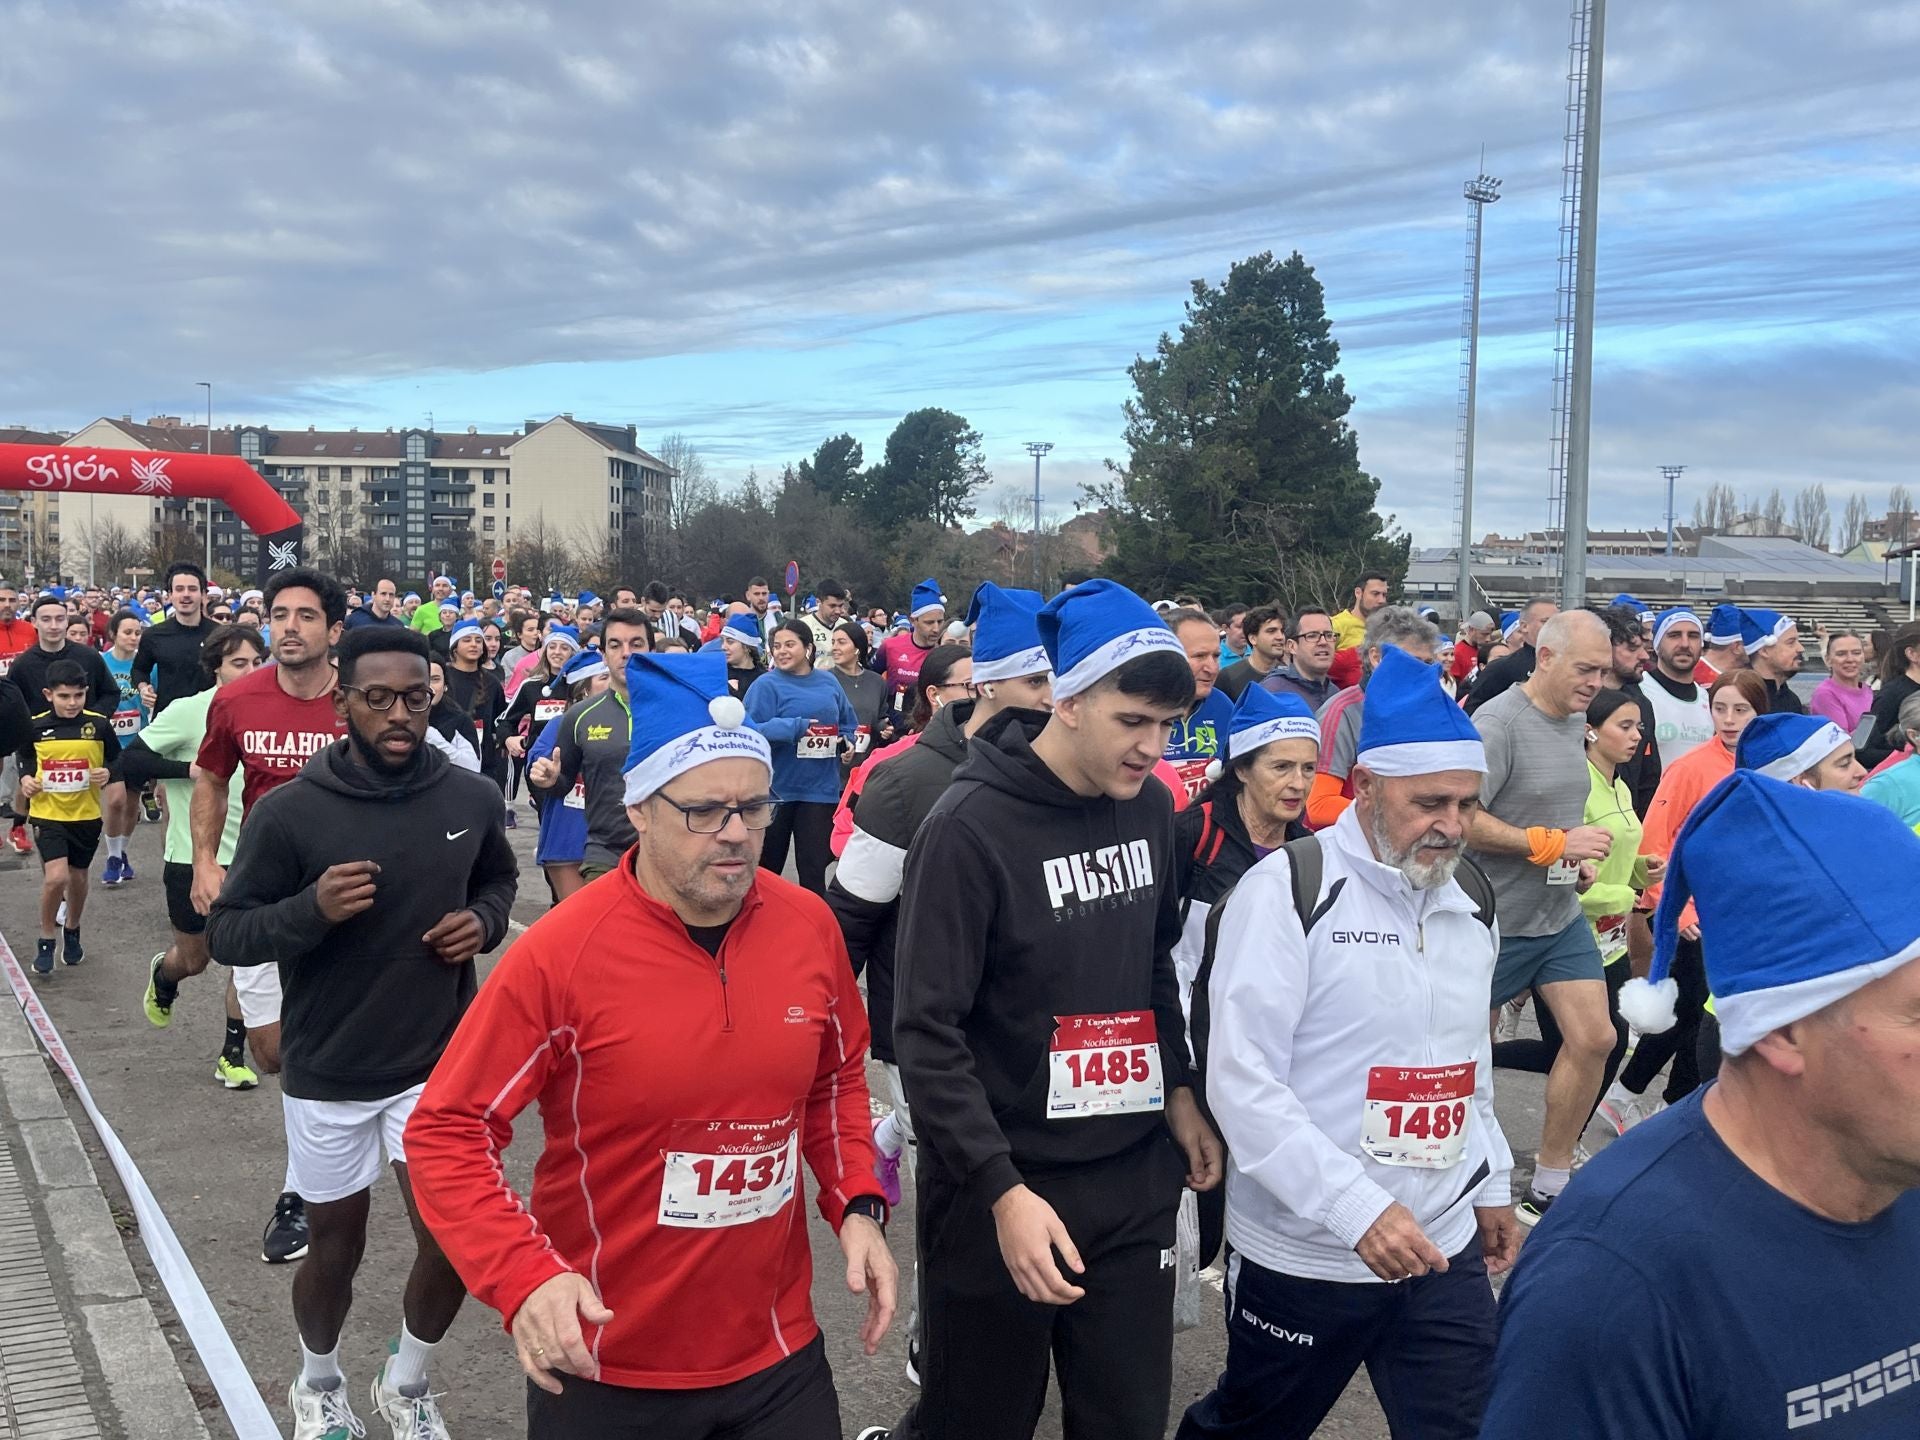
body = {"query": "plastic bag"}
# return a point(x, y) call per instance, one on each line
point(1189, 1290)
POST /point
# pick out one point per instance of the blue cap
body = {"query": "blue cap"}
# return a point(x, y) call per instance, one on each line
point(683, 717)
point(1410, 726)
point(1761, 628)
point(1783, 745)
point(1006, 636)
point(1679, 615)
point(1763, 975)
point(1262, 717)
point(565, 633)
point(1723, 626)
point(746, 630)
point(462, 631)
point(927, 596)
point(1640, 612)
point(1094, 628)
point(587, 665)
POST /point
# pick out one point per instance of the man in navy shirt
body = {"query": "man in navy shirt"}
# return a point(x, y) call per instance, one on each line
point(1744, 1265)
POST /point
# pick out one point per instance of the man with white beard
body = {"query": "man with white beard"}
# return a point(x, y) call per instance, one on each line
point(1351, 1071)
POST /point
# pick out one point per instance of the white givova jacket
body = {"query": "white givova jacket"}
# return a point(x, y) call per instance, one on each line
point(1390, 976)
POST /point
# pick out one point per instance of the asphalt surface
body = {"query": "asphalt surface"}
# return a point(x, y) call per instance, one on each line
point(215, 1159)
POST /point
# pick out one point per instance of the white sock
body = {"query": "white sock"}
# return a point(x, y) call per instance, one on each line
point(1548, 1182)
point(408, 1367)
point(320, 1372)
point(886, 1135)
point(286, 1185)
point(116, 846)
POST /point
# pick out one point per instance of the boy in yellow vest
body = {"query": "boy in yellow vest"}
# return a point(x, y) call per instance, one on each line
point(63, 766)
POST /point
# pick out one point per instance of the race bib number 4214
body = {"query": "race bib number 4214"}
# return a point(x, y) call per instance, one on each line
point(1104, 1065)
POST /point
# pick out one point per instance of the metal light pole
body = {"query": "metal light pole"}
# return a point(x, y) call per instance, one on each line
point(1672, 472)
point(1481, 191)
point(207, 385)
point(1036, 448)
point(1573, 586)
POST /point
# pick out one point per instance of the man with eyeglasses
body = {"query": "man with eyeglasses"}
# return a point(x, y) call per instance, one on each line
point(690, 1029)
point(1312, 639)
point(595, 736)
point(267, 725)
point(376, 952)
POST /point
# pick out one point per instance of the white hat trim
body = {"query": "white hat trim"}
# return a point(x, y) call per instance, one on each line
point(1662, 627)
point(929, 607)
point(742, 637)
point(1287, 727)
point(690, 752)
point(1109, 657)
point(1424, 757)
point(1745, 1018)
point(1810, 752)
point(1012, 667)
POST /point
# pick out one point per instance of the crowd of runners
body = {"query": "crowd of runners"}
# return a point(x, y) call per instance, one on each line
point(1187, 940)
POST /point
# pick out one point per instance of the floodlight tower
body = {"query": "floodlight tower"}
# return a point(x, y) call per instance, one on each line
point(1481, 191)
point(1573, 324)
point(1673, 473)
point(1036, 448)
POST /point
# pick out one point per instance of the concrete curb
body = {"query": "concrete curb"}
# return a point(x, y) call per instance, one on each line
point(146, 1393)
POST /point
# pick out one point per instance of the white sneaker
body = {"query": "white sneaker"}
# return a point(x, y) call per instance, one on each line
point(1508, 1027)
point(1622, 1109)
point(1581, 1155)
point(412, 1417)
point(323, 1414)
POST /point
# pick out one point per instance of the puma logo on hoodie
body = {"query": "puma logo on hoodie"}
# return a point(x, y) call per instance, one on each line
point(1096, 874)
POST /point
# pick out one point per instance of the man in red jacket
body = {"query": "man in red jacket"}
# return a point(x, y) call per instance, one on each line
point(690, 1027)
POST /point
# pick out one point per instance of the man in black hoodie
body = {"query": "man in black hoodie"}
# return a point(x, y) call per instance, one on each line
point(372, 879)
point(1038, 1029)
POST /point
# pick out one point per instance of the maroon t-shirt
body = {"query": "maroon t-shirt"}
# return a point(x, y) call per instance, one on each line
point(256, 727)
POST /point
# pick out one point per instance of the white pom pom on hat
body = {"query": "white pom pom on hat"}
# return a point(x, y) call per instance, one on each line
point(1214, 770)
point(1648, 1007)
point(727, 712)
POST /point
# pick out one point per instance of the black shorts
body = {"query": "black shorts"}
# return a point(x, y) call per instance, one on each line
point(178, 880)
point(73, 841)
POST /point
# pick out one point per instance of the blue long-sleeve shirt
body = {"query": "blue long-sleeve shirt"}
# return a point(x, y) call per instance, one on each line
point(784, 708)
point(563, 820)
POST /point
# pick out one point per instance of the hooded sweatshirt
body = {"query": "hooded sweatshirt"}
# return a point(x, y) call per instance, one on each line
point(368, 1006)
point(1025, 904)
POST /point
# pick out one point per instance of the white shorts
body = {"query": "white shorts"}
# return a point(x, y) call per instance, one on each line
point(258, 987)
point(334, 1147)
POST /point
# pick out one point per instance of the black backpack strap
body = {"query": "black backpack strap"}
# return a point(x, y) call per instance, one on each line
point(1307, 862)
point(1479, 889)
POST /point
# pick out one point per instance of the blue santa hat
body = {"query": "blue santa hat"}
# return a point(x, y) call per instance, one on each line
point(413, 595)
point(1509, 622)
point(1410, 726)
point(1263, 717)
point(683, 717)
point(1859, 857)
point(587, 665)
point(587, 597)
point(746, 630)
point(462, 631)
point(1760, 628)
point(566, 634)
point(1095, 627)
point(1641, 613)
point(443, 580)
point(1679, 615)
point(1006, 635)
point(1783, 745)
point(1723, 626)
point(926, 596)
point(900, 622)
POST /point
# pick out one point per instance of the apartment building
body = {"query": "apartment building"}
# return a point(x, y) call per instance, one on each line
point(422, 499)
point(29, 520)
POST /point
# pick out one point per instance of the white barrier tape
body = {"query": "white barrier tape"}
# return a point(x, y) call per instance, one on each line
point(239, 1395)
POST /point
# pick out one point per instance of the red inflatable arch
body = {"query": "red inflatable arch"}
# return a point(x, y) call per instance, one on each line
point(69, 470)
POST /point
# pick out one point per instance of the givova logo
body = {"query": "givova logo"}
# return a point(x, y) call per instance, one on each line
point(1090, 875)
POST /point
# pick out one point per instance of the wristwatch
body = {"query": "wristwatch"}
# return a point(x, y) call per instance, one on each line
point(871, 1206)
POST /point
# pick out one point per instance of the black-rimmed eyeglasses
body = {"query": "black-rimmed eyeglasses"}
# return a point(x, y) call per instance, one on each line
point(381, 697)
point(711, 819)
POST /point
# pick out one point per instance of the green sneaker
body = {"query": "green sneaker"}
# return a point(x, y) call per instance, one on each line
point(159, 1010)
point(234, 1074)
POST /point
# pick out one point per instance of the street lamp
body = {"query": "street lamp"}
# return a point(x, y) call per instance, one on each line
point(1673, 473)
point(1037, 448)
point(207, 385)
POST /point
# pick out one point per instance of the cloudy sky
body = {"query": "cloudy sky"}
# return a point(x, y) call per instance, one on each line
point(763, 223)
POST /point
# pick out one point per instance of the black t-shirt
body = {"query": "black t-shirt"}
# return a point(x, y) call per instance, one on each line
point(709, 937)
point(169, 653)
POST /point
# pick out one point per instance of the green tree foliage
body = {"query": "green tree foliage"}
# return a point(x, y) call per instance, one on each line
point(1243, 479)
point(834, 470)
point(933, 468)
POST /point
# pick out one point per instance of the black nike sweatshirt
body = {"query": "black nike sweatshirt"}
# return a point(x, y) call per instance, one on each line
point(1022, 902)
point(368, 1007)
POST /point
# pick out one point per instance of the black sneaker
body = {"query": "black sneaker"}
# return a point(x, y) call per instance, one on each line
point(43, 958)
point(150, 805)
point(1530, 1211)
point(286, 1235)
point(875, 1432)
point(70, 951)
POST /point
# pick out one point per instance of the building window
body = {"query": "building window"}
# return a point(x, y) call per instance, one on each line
point(487, 500)
point(249, 445)
point(487, 525)
point(416, 447)
point(326, 472)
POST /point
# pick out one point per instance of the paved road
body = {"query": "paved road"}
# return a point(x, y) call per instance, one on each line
point(215, 1160)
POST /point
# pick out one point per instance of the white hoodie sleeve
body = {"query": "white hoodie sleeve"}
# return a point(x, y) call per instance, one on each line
point(1497, 1188)
point(1258, 993)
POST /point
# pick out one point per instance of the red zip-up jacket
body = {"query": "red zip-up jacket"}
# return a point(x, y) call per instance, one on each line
point(631, 1037)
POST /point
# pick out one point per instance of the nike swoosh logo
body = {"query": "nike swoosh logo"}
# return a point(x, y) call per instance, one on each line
point(456, 834)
